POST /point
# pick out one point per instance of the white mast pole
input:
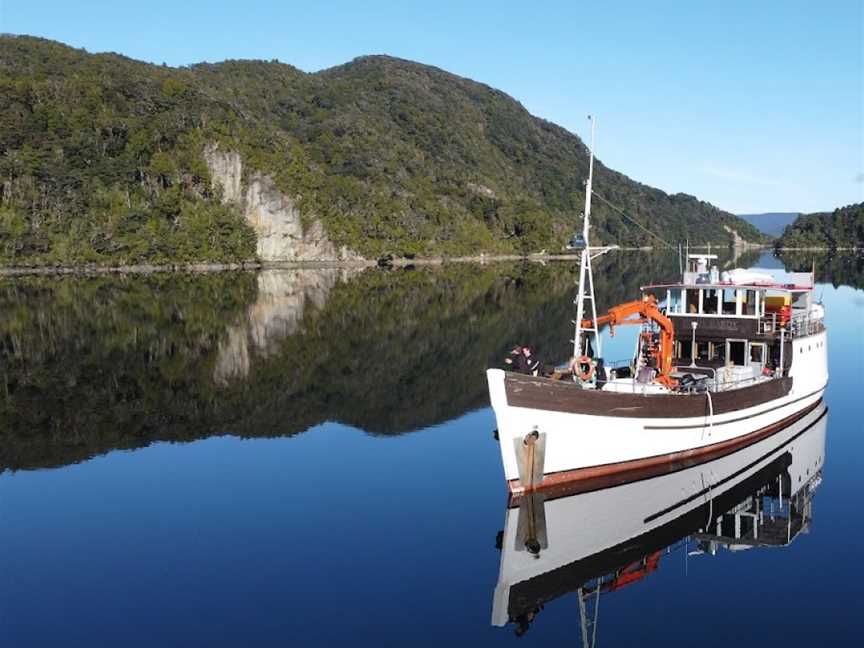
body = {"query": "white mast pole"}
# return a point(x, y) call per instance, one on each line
point(585, 274)
point(588, 185)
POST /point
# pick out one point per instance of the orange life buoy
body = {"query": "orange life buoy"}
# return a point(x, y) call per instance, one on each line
point(576, 365)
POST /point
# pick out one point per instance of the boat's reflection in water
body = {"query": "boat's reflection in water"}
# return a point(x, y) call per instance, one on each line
point(592, 543)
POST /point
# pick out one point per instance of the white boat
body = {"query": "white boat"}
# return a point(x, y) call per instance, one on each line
point(600, 541)
point(722, 362)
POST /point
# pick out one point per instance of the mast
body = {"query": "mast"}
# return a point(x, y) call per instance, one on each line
point(586, 277)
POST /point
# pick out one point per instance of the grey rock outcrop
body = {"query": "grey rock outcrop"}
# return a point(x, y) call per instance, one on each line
point(226, 171)
point(275, 218)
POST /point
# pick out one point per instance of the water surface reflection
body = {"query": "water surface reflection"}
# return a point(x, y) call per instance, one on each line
point(380, 530)
point(91, 364)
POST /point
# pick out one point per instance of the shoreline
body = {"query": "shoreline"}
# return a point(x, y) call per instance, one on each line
point(819, 249)
point(399, 262)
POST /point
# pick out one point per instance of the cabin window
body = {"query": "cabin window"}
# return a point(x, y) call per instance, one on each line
point(711, 302)
point(704, 350)
point(729, 304)
point(674, 300)
point(758, 354)
point(736, 352)
point(692, 301)
point(799, 300)
point(749, 305)
point(714, 351)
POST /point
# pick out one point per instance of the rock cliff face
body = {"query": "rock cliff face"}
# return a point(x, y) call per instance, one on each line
point(272, 215)
point(226, 171)
point(739, 242)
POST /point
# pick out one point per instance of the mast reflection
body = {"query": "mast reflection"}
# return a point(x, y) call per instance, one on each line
point(594, 543)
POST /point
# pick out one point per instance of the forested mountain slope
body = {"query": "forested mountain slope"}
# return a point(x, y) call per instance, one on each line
point(843, 228)
point(102, 159)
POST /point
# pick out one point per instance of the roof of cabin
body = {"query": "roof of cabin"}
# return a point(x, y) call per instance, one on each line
point(720, 286)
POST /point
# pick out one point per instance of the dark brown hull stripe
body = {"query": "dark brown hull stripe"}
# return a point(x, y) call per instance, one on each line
point(581, 480)
point(560, 396)
point(735, 420)
point(738, 473)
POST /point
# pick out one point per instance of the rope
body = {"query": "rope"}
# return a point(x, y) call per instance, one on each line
point(711, 415)
point(636, 223)
point(710, 427)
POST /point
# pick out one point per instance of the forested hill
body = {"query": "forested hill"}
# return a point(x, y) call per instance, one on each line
point(102, 160)
point(842, 228)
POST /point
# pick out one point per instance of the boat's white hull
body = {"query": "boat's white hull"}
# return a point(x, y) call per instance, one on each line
point(578, 446)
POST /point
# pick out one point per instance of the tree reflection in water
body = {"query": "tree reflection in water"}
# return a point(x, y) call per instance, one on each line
point(91, 364)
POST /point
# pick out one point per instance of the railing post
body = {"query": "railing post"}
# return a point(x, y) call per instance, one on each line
point(782, 350)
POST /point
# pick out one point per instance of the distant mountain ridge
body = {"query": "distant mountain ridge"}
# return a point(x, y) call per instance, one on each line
point(770, 223)
point(105, 159)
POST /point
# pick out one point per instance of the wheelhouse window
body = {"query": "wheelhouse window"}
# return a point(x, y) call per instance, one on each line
point(692, 301)
point(800, 300)
point(711, 302)
point(748, 306)
point(673, 299)
point(729, 305)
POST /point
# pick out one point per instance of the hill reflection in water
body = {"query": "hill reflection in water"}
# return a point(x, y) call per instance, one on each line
point(91, 364)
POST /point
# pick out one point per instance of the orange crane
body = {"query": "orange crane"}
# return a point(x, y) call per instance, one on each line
point(633, 572)
point(646, 309)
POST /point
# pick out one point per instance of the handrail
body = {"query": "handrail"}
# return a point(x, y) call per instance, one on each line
point(798, 325)
point(713, 384)
point(803, 324)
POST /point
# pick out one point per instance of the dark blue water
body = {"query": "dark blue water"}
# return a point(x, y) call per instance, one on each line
point(309, 460)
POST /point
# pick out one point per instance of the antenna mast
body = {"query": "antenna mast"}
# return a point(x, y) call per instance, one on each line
point(586, 277)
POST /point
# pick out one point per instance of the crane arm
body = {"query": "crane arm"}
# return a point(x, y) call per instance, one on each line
point(646, 309)
point(617, 315)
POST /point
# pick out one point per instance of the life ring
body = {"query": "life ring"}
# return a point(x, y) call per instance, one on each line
point(576, 368)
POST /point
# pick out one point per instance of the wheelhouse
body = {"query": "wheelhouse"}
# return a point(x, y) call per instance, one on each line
point(736, 326)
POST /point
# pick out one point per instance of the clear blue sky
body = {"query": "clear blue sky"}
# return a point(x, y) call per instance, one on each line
point(753, 106)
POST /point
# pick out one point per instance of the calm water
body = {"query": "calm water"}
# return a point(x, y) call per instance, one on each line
point(306, 458)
